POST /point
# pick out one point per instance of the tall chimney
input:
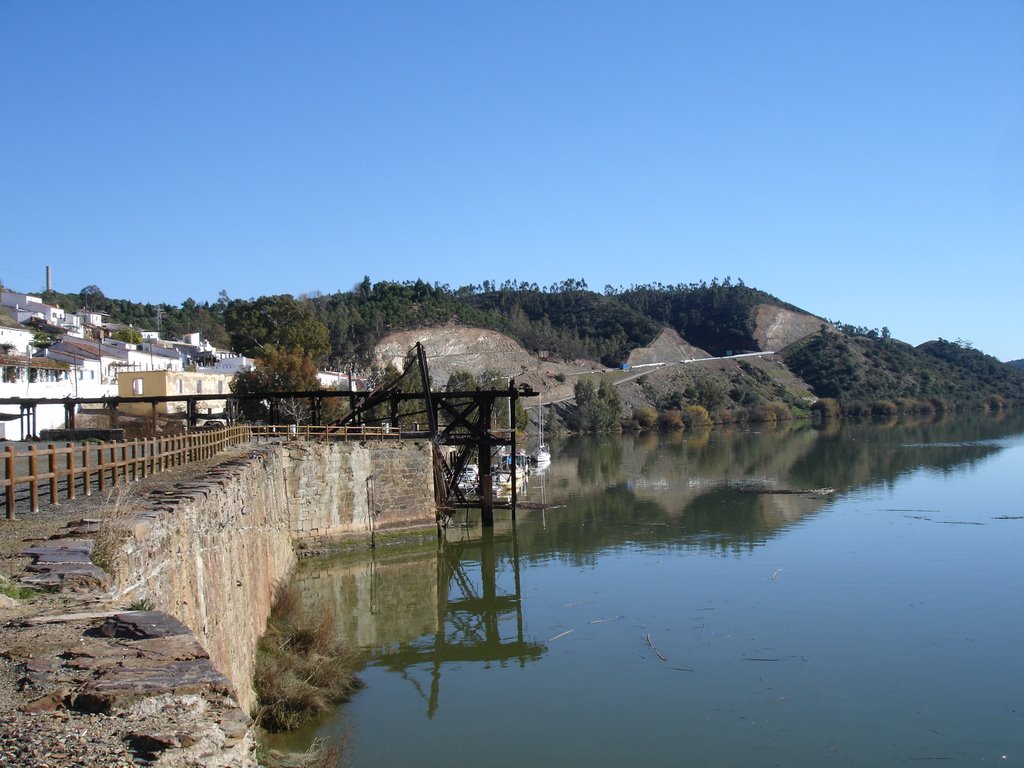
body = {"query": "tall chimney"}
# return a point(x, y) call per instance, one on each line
point(49, 279)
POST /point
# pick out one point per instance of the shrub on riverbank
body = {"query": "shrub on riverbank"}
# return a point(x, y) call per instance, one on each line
point(696, 416)
point(670, 420)
point(302, 667)
point(646, 417)
point(884, 408)
point(827, 408)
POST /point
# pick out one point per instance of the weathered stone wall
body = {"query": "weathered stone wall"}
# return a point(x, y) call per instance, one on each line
point(212, 552)
point(333, 488)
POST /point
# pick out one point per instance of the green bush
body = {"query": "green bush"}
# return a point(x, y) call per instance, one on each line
point(723, 416)
point(884, 408)
point(762, 414)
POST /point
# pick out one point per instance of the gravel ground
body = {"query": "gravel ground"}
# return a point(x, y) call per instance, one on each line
point(51, 738)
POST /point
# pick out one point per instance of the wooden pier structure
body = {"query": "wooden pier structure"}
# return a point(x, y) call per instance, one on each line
point(459, 424)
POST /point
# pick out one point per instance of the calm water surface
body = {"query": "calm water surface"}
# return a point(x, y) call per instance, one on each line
point(705, 600)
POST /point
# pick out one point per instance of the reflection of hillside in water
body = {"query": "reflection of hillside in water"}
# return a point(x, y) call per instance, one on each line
point(732, 489)
point(717, 491)
point(856, 455)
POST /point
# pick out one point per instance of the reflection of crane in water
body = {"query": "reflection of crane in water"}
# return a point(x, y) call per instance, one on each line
point(469, 617)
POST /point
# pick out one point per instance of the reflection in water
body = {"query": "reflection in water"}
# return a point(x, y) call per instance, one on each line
point(799, 622)
point(474, 614)
point(427, 607)
point(731, 490)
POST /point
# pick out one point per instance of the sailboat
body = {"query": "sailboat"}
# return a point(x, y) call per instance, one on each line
point(542, 457)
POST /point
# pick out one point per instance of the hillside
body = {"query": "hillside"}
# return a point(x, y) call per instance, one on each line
point(554, 337)
point(859, 369)
point(859, 372)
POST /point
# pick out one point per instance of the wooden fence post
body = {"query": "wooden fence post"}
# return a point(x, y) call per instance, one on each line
point(9, 471)
point(71, 472)
point(33, 482)
point(101, 470)
point(86, 474)
point(54, 496)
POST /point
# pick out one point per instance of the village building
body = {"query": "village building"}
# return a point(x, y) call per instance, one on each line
point(115, 356)
point(27, 306)
point(27, 377)
point(15, 339)
point(173, 383)
point(224, 363)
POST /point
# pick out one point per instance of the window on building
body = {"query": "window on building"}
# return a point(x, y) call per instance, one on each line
point(181, 386)
point(137, 386)
point(199, 387)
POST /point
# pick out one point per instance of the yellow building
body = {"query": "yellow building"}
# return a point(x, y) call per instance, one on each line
point(170, 384)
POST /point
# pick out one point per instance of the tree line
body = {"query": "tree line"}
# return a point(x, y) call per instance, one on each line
point(564, 319)
point(843, 363)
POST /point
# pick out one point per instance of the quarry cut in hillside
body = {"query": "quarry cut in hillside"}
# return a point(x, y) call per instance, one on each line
point(776, 327)
point(668, 346)
point(480, 351)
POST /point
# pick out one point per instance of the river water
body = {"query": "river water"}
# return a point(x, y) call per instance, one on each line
point(850, 595)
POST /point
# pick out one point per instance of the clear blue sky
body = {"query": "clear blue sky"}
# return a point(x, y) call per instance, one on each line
point(862, 160)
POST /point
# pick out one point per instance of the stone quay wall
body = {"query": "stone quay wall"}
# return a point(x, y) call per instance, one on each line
point(347, 490)
point(212, 552)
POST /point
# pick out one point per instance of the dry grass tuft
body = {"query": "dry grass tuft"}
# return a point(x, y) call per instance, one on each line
point(302, 668)
point(320, 754)
point(115, 527)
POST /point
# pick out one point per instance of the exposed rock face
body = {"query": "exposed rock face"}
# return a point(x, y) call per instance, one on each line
point(669, 346)
point(455, 347)
point(777, 327)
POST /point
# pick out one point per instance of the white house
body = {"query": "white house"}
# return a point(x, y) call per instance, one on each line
point(91, 317)
point(33, 377)
point(332, 379)
point(118, 356)
point(229, 365)
point(15, 339)
point(26, 306)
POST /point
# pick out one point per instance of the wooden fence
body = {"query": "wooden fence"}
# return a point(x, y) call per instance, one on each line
point(59, 472)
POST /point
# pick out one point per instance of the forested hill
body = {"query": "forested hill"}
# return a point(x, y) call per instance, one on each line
point(566, 320)
point(569, 321)
point(858, 368)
